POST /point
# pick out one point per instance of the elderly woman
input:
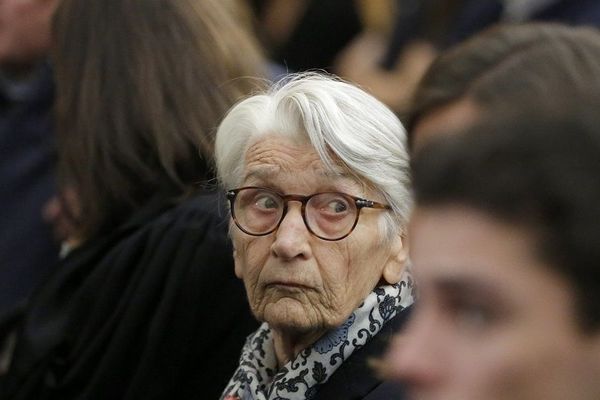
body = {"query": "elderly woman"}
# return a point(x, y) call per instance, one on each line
point(318, 185)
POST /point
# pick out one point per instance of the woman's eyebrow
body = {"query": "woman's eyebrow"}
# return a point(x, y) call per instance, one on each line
point(334, 174)
point(262, 173)
point(265, 172)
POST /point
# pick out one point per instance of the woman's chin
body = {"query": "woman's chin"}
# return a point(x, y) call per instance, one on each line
point(291, 316)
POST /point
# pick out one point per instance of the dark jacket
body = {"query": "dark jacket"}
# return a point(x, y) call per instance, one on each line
point(356, 380)
point(27, 248)
point(150, 311)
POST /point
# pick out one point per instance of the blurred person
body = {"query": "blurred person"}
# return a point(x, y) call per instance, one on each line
point(390, 62)
point(508, 66)
point(316, 172)
point(145, 304)
point(391, 65)
point(28, 250)
point(308, 34)
point(505, 240)
point(24, 34)
point(476, 15)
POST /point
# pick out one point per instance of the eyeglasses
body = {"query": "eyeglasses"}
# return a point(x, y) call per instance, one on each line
point(329, 216)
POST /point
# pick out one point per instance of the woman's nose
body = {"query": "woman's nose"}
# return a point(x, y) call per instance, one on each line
point(292, 235)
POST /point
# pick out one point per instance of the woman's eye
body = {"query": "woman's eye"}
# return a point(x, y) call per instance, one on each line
point(266, 202)
point(337, 206)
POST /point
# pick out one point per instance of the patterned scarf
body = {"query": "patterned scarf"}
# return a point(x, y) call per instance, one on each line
point(257, 377)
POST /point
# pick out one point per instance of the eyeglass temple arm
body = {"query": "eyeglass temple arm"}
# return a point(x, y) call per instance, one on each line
point(371, 204)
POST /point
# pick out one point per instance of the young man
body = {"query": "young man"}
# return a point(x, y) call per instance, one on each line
point(505, 245)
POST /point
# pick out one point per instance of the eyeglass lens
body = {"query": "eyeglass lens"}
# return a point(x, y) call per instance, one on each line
point(328, 215)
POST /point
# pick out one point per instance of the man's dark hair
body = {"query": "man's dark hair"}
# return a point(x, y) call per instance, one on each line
point(541, 173)
point(507, 65)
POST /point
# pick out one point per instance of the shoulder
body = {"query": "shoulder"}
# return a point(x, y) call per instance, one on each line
point(161, 227)
point(181, 249)
point(158, 291)
point(178, 251)
point(205, 209)
point(355, 379)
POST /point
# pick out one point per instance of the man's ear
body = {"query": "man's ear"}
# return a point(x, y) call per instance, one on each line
point(397, 260)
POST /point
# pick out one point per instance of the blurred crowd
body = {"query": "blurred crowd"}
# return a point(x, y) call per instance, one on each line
point(137, 135)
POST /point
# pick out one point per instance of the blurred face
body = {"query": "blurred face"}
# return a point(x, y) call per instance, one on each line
point(24, 30)
point(298, 283)
point(493, 322)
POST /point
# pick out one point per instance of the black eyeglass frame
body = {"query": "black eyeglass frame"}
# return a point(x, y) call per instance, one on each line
point(358, 201)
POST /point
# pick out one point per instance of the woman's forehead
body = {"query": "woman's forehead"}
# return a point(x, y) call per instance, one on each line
point(282, 153)
point(271, 155)
point(315, 176)
point(267, 172)
point(277, 160)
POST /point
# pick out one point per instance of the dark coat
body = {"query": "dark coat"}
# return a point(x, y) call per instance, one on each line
point(27, 249)
point(356, 380)
point(150, 311)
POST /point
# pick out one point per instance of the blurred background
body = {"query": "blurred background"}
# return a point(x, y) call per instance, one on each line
point(384, 46)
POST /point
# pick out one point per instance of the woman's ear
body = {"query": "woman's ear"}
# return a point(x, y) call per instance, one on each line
point(236, 261)
point(237, 264)
point(392, 271)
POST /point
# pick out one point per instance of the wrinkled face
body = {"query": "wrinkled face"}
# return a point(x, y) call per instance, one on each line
point(24, 29)
point(296, 282)
point(494, 322)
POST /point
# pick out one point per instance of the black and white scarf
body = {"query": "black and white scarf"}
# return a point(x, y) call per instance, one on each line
point(257, 377)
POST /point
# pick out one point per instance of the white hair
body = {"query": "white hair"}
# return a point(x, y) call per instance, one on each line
point(336, 118)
